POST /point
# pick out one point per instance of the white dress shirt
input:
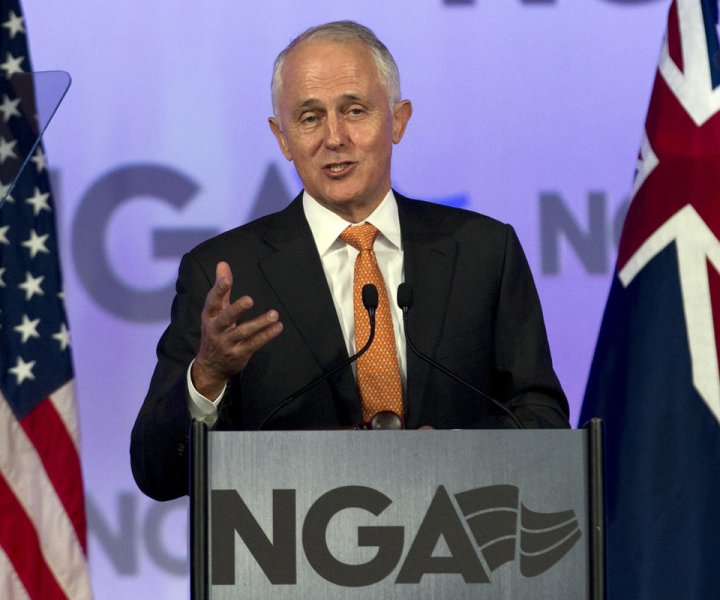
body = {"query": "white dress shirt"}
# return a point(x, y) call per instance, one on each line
point(338, 262)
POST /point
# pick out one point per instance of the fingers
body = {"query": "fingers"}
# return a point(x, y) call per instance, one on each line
point(227, 317)
point(222, 271)
point(226, 342)
point(218, 297)
point(248, 337)
point(226, 351)
point(246, 332)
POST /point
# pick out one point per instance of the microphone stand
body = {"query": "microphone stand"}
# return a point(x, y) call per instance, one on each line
point(405, 300)
point(370, 301)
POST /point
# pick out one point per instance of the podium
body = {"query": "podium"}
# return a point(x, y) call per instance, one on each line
point(397, 514)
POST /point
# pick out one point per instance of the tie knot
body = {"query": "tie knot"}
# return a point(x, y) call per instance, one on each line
point(360, 237)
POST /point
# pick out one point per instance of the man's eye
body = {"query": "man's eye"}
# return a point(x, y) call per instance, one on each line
point(356, 111)
point(309, 119)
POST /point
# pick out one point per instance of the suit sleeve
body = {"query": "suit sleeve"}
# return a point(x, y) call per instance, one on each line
point(160, 436)
point(524, 374)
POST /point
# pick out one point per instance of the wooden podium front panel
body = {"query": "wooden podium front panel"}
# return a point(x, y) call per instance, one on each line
point(398, 514)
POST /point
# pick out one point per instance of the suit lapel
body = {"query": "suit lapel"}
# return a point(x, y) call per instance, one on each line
point(294, 272)
point(429, 258)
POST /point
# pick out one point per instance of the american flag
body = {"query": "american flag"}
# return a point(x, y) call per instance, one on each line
point(655, 378)
point(42, 513)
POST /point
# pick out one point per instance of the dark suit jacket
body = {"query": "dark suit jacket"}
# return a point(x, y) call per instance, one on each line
point(476, 311)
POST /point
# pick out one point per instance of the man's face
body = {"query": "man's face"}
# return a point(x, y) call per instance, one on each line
point(335, 123)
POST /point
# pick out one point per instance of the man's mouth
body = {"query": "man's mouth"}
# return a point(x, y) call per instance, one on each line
point(338, 167)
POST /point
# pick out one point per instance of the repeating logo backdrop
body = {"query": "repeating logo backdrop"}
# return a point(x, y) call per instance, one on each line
point(530, 111)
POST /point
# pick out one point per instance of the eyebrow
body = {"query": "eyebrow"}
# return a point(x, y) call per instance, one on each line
point(351, 98)
point(309, 103)
point(313, 102)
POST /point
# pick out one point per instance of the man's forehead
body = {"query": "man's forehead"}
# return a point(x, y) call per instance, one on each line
point(325, 62)
point(316, 68)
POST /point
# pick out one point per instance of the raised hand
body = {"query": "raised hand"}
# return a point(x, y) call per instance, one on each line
point(226, 345)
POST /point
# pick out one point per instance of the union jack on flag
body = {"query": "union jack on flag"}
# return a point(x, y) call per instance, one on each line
point(42, 513)
point(655, 377)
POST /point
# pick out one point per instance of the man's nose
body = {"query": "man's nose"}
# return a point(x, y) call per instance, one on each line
point(335, 132)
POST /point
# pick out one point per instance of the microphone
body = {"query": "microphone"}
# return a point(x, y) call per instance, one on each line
point(405, 301)
point(370, 302)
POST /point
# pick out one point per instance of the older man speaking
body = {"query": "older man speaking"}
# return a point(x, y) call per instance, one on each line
point(266, 308)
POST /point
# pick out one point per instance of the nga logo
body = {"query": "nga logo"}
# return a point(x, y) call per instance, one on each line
point(482, 529)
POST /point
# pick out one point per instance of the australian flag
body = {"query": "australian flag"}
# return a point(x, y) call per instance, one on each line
point(654, 378)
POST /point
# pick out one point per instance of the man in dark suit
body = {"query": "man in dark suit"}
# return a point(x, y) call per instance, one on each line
point(265, 308)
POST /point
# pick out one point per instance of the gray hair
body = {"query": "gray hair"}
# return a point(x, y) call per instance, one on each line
point(343, 31)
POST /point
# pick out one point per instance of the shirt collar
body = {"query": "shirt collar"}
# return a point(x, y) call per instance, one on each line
point(326, 226)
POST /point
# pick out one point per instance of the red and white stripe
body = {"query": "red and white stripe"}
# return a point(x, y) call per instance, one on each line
point(42, 530)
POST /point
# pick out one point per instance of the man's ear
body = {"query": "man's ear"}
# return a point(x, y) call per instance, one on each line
point(276, 128)
point(401, 115)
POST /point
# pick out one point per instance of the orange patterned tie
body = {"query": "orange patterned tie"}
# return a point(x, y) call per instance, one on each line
point(378, 374)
